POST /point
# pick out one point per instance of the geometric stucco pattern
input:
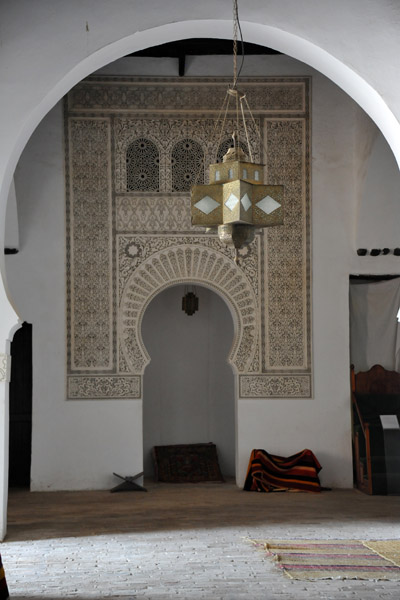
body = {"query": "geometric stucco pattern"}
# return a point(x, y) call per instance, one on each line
point(180, 263)
point(286, 252)
point(5, 360)
point(118, 95)
point(133, 149)
point(146, 214)
point(89, 252)
point(275, 386)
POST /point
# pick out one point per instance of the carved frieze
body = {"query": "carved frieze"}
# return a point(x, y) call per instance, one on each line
point(275, 386)
point(104, 387)
point(146, 214)
point(115, 94)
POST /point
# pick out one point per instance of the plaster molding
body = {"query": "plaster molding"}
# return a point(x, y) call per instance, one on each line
point(5, 367)
point(189, 94)
point(275, 386)
point(87, 387)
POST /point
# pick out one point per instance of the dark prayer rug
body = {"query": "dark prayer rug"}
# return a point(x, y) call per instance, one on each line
point(187, 463)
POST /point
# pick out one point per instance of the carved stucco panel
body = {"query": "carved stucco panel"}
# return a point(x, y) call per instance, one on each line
point(89, 263)
point(275, 386)
point(197, 264)
point(5, 367)
point(124, 246)
point(146, 214)
point(103, 387)
point(286, 252)
point(179, 95)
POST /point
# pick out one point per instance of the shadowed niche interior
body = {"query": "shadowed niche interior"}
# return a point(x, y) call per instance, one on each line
point(188, 387)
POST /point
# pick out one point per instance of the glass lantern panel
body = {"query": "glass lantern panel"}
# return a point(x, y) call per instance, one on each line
point(206, 205)
point(231, 202)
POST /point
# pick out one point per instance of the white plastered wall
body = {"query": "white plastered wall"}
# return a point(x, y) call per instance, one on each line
point(74, 445)
point(77, 445)
point(378, 195)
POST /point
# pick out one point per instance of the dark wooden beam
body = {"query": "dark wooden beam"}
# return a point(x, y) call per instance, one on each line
point(202, 47)
point(182, 61)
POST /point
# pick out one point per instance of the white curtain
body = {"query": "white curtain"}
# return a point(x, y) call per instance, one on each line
point(374, 329)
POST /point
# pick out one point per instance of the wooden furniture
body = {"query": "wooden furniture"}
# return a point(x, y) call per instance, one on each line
point(128, 484)
point(373, 393)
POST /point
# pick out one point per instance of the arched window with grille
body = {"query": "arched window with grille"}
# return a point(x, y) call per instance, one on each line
point(187, 162)
point(142, 166)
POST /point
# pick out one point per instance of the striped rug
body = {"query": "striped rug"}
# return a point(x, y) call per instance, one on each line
point(334, 559)
point(272, 473)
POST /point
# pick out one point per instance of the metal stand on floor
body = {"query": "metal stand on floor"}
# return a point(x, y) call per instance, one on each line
point(128, 484)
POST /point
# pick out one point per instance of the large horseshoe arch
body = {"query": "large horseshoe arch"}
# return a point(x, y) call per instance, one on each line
point(188, 264)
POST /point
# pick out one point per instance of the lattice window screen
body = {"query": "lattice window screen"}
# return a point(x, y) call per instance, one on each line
point(142, 166)
point(187, 161)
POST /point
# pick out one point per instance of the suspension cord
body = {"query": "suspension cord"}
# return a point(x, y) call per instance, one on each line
point(245, 127)
point(232, 92)
point(263, 148)
point(222, 130)
point(235, 32)
point(236, 28)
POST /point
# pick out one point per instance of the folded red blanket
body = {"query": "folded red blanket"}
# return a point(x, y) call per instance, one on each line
point(270, 473)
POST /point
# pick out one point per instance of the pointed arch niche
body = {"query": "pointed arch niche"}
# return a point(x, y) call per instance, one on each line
point(188, 387)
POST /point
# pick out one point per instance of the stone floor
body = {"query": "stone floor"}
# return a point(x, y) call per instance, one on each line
point(182, 541)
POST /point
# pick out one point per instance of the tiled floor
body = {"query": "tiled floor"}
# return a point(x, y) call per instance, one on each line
point(183, 541)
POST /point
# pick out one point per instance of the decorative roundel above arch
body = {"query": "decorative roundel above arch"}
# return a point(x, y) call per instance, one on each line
point(195, 264)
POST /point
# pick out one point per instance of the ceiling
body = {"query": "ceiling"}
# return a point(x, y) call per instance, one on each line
point(201, 47)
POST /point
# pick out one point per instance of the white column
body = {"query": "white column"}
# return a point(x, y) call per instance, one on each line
point(8, 325)
point(5, 364)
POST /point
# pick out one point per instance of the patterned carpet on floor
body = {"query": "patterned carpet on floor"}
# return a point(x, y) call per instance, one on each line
point(334, 559)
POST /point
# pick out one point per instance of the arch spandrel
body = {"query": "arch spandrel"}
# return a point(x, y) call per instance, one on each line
point(197, 265)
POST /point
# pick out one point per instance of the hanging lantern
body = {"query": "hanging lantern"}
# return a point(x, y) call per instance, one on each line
point(190, 302)
point(236, 202)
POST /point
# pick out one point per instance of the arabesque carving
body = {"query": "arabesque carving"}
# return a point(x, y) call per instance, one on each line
point(133, 148)
point(4, 367)
point(196, 264)
point(275, 386)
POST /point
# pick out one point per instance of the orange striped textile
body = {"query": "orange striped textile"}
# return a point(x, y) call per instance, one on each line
point(271, 473)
